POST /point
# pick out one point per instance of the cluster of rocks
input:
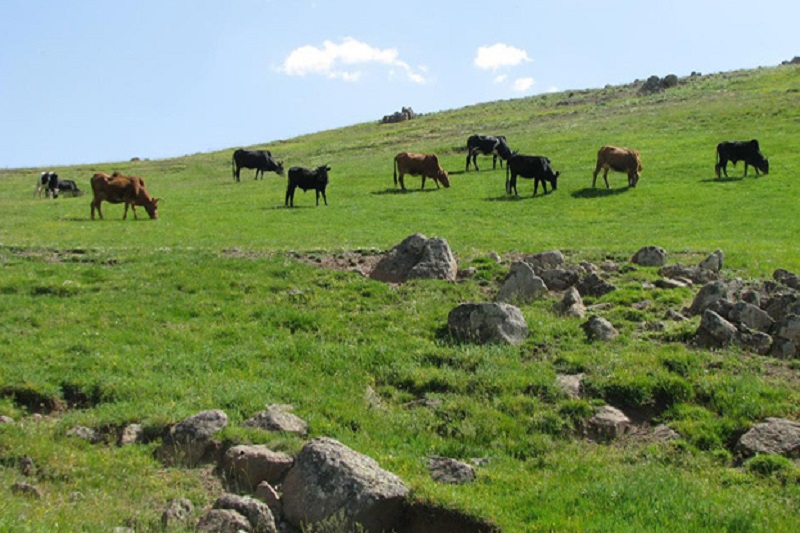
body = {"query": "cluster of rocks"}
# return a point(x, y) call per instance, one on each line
point(404, 114)
point(763, 319)
point(271, 491)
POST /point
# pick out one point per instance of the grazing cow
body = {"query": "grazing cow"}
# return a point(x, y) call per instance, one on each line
point(117, 189)
point(619, 160)
point(307, 179)
point(261, 160)
point(425, 165)
point(486, 145)
point(69, 186)
point(735, 151)
point(534, 167)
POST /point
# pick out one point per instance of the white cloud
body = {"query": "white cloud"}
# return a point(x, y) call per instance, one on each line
point(522, 85)
point(339, 60)
point(501, 78)
point(500, 55)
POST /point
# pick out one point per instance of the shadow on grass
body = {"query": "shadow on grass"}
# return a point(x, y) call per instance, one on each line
point(591, 192)
point(401, 191)
point(722, 180)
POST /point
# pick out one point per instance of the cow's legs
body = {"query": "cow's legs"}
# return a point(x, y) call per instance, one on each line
point(469, 154)
point(289, 202)
point(596, 172)
point(96, 206)
point(605, 177)
point(423, 182)
point(402, 182)
point(324, 198)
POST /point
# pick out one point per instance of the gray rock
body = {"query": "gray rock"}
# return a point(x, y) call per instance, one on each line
point(559, 279)
point(545, 260)
point(787, 337)
point(257, 513)
point(267, 494)
point(714, 331)
point(521, 286)
point(779, 306)
point(189, 442)
point(663, 433)
point(674, 316)
point(177, 514)
point(713, 262)
point(571, 304)
point(451, 471)
point(487, 322)
point(669, 284)
point(754, 341)
point(131, 434)
point(570, 384)
point(608, 424)
point(775, 436)
point(417, 257)
point(598, 328)
point(26, 489)
point(594, 285)
point(653, 256)
point(249, 465)
point(277, 418)
point(708, 294)
point(6, 420)
point(787, 278)
point(694, 274)
point(85, 433)
point(328, 477)
point(751, 316)
point(223, 521)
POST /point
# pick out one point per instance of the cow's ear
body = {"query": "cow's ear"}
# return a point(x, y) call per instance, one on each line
point(558, 173)
point(328, 168)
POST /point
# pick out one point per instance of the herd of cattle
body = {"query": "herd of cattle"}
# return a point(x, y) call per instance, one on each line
point(130, 190)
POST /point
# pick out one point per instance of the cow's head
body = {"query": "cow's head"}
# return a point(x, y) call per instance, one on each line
point(552, 177)
point(764, 166)
point(279, 168)
point(152, 207)
point(503, 150)
point(443, 178)
point(322, 174)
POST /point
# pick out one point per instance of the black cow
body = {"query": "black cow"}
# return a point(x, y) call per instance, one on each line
point(261, 160)
point(735, 151)
point(52, 184)
point(487, 144)
point(307, 179)
point(534, 167)
point(69, 186)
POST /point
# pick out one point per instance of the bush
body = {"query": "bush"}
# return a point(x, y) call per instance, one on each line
point(770, 465)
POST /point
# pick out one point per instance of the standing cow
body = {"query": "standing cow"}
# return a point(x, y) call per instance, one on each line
point(117, 189)
point(486, 145)
point(735, 151)
point(425, 165)
point(261, 160)
point(306, 179)
point(42, 185)
point(618, 160)
point(534, 167)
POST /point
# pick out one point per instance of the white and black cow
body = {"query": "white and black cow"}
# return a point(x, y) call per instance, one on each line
point(534, 167)
point(42, 185)
point(486, 145)
point(306, 179)
point(261, 160)
point(735, 151)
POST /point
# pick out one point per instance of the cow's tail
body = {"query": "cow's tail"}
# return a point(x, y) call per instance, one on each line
point(394, 166)
point(716, 165)
point(233, 166)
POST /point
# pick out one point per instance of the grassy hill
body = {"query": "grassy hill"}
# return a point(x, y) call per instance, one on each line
point(209, 307)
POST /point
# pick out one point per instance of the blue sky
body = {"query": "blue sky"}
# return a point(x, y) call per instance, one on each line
point(91, 81)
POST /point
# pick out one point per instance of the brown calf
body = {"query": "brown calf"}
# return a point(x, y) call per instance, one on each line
point(619, 160)
point(425, 165)
point(117, 189)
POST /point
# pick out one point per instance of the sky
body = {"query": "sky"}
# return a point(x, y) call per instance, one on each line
point(96, 81)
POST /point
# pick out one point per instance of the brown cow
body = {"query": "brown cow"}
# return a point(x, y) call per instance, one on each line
point(117, 189)
point(425, 165)
point(619, 160)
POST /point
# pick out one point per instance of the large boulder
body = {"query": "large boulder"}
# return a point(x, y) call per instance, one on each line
point(545, 260)
point(488, 322)
point(598, 328)
point(571, 304)
point(713, 262)
point(751, 316)
point(653, 256)
point(593, 285)
point(708, 294)
point(417, 257)
point(189, 442)
point(248, 465)
point(328, 478)
point(714, 331)
point(277, 419)
point(608, 424)
point(521, 285)
point(257, 513)
point(774, 436)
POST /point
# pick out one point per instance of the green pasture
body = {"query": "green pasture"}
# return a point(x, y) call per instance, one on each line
point(108, 322)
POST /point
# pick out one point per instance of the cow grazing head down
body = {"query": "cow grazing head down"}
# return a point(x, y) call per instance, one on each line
point(425, 165)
